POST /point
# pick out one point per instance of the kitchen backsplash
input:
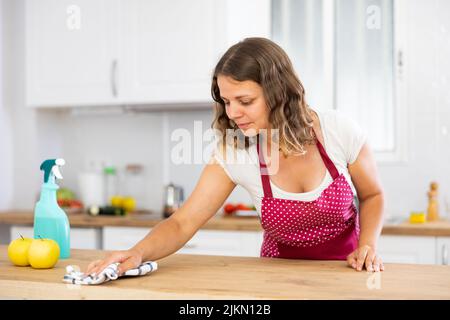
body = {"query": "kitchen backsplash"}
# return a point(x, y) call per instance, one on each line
point(86, 141)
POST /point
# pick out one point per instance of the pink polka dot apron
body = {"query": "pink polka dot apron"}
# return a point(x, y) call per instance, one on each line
point(326, 228)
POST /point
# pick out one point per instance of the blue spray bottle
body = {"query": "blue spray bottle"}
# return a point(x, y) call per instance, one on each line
point(50, 221)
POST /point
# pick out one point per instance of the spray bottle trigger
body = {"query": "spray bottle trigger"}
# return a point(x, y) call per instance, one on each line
point(55, 169)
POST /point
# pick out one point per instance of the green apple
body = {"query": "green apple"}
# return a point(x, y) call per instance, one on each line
point(18, 251)
point(43, 253)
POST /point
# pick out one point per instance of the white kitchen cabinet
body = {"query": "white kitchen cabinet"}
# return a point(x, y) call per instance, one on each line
point(80, 238)
point(122, 238)
point(71, 52)
point(125, 52)
point(407, 249)
point(224, 243)
point(170, 48)
point(443, 250)
point(249, 18)
point(210, 242)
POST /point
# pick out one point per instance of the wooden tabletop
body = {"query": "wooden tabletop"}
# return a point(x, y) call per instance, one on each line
point(439, 228)
point(217, 277)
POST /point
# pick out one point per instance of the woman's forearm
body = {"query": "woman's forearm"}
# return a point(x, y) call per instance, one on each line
point(164, 239)
point(371, 220)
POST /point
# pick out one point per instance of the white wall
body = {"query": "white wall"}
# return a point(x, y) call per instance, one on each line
point(6, 151)
point(39, 135)
point(117, 140)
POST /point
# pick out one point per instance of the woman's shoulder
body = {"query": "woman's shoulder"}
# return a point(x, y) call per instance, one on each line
point(339, 122)
point(344, 132)
point(239, 163)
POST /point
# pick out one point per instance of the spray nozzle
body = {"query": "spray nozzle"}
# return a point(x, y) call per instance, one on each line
point(52, 166)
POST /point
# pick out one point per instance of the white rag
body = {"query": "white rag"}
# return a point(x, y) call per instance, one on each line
point(111, 272)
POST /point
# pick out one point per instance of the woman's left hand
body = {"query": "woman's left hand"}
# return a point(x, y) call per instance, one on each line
point(365, 256)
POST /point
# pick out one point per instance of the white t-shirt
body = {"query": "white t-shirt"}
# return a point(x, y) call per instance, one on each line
point(343, 140)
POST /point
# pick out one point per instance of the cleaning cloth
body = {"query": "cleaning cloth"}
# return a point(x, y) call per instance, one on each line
point(111, 272)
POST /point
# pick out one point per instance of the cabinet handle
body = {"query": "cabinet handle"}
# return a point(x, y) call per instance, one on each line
point(444, 255)
point(113, 77)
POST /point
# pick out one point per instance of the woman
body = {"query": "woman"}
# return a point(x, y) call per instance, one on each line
point(303, 188)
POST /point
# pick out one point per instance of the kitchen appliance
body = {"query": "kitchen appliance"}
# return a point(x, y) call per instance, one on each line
point(91, 184)
point(173, 199)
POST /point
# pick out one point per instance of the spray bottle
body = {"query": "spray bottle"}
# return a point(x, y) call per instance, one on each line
point(50, 221)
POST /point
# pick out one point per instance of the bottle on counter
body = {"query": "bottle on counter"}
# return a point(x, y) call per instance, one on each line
point(134, 184)
point(111, 183)
point(50, 221)
point(433, 204)
point(91, 185)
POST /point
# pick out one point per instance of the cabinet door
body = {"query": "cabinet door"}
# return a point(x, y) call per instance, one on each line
point(224, 243)
point(71, 52)
point(443, 250)
point(169, 49)
point(210, 242)
point(122, 238)
point(249, 18)
point(407, 249)
point(86, 238)
point(80, 238)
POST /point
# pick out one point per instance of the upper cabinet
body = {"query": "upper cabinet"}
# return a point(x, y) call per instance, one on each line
point(170, 48)
point(71, 52)
point(110, 52)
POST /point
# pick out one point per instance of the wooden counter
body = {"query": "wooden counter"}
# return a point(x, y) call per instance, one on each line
point(137, 220)
point(217, 277)
point(438, 229)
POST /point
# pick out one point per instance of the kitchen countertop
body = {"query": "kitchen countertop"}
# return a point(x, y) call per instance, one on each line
point(217, 277)
point(439, 228)
point(133, 220)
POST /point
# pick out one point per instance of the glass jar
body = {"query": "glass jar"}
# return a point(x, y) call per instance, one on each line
point(134, 184)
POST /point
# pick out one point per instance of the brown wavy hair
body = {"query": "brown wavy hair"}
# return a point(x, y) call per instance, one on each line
point(264, 62)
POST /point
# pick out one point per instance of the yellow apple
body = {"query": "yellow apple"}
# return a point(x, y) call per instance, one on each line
point(129, 204)
point(18, 251)
point(116, 201)
point(43, 253)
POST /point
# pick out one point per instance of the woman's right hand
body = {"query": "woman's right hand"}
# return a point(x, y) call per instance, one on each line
point(128, 259)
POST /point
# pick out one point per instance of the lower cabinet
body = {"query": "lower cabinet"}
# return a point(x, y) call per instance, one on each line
point(407, 249)
point(443, 250)
point(80, 238)
point(224, 243)
point(122, 238)
point(209, 242)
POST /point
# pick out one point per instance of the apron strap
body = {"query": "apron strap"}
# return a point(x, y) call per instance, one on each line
point(264, 172)
point(328, 163)
point(265, 179)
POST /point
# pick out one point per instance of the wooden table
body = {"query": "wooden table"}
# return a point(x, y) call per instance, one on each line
point(216, 277)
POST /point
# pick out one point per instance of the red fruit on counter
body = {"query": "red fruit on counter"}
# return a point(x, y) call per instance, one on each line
point(229, 208)
point(242, 206)
point(63, 202)
point(76, 204)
